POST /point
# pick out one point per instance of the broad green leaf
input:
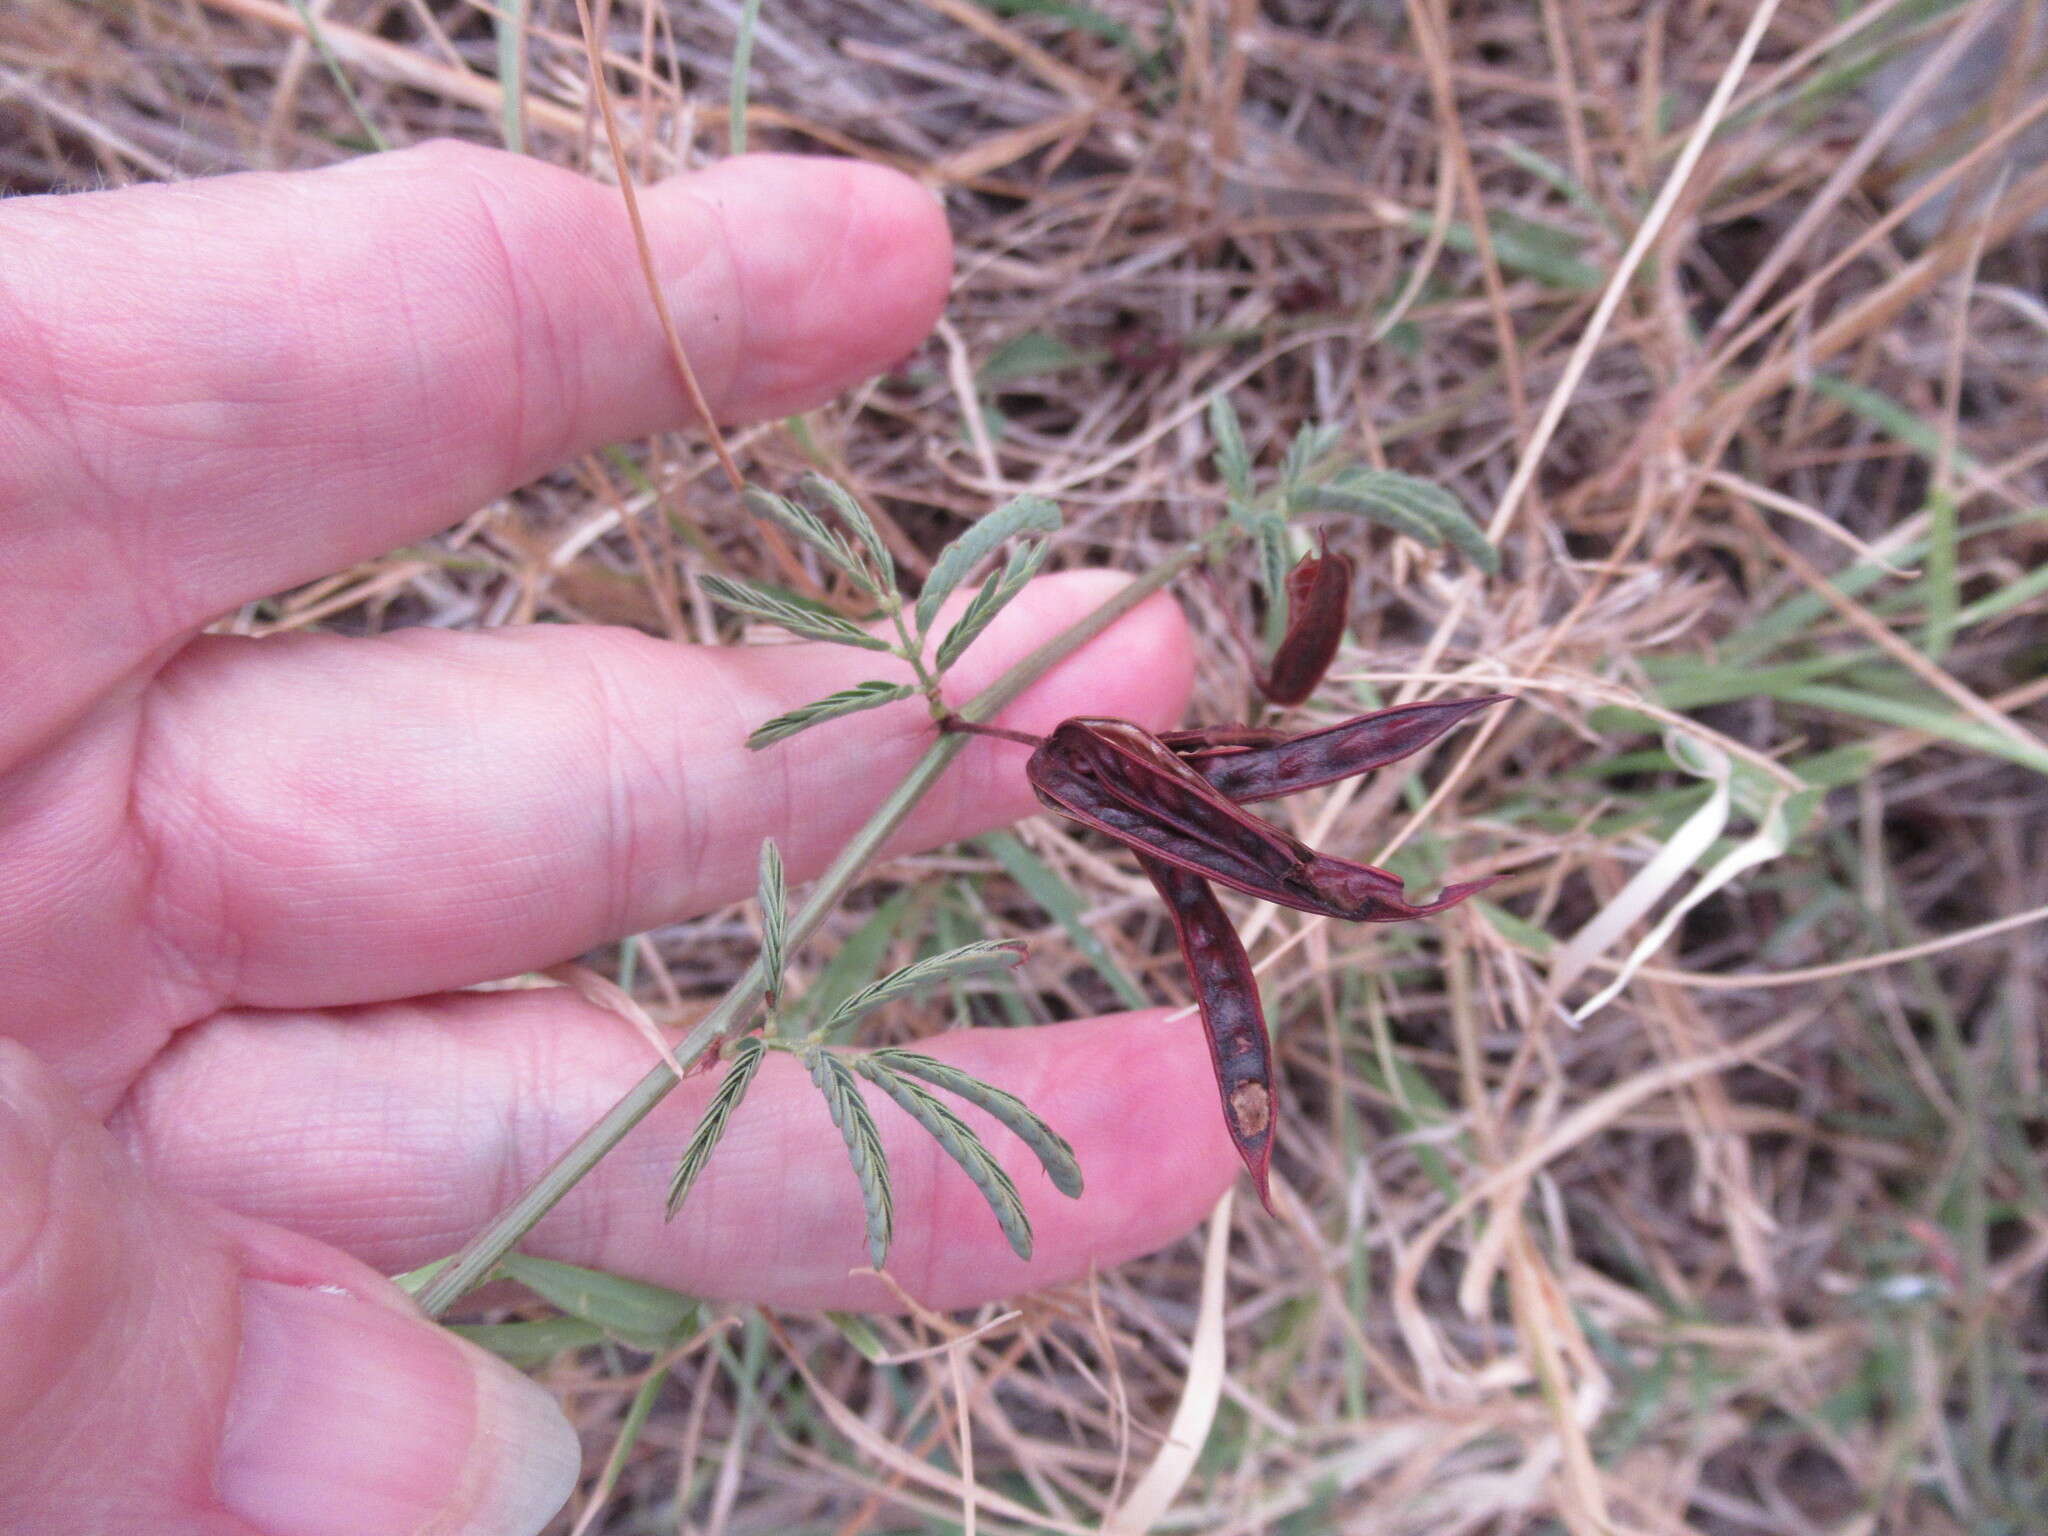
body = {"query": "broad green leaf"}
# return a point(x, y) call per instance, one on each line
point(855, 516)
point(746, 1061)
point(863, 1146)
point(811, 623)
point(806, 525)
point(774, 897)
point(534, 1342)
point(1019, 515)
point(1050, 1148)
point(995, 594)
point(1233, 459)
point(847, 701)
point(648, 1317)
point(968, 960)
point(962, 1145)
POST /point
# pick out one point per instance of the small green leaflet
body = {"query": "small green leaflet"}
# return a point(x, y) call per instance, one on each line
point(1275, 560)
point(863, 1145)
point(531, 1343)
point(1233, 459)
point(1311, 445)
point(1422, 510)
point(774, 919)
point(855, 516)
point(811, 623)
point(746, 1061)
point(848, 701)
point(1021, 514)
point(968, 960)
point(647, 1317)
point(1050, 1148)
point(806, 525)
point(962, 1145)
point(995, 594)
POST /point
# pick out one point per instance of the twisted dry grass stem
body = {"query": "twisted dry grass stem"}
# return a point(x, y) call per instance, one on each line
point(481, 1254)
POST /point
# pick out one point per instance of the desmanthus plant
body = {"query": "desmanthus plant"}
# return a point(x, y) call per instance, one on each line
point(1176, 799)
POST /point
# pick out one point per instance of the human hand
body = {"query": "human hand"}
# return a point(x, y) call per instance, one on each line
point(238, 878)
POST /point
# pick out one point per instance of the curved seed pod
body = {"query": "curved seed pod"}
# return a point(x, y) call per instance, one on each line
point(1119, 779)
point(1239, 1047)
point(1318, 603)
point(1247, 770)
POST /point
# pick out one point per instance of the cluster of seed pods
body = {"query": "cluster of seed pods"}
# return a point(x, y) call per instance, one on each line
point(1177, 800)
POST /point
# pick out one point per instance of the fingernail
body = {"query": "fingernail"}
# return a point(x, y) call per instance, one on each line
point(349, 1419)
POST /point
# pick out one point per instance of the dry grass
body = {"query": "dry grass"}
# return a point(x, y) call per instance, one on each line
point(1758, 1249)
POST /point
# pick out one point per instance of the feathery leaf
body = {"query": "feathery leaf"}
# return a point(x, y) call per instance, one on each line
point(968, 960)
point(811, 623)
point(1047, 1144)
point(847, 701)
point(1020, 514)
point(746, 1061)
point(962, 1145)
point(863, 1145)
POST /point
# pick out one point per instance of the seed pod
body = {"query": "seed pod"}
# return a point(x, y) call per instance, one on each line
point(1248, 770)
point(1228, 994)
point(1119, 779)
point(1318, 603)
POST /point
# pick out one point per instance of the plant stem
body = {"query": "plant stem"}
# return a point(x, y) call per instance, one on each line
point(480, 1255)
point(952, 722)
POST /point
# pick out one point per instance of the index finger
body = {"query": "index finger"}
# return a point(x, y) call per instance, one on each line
point(215, 390)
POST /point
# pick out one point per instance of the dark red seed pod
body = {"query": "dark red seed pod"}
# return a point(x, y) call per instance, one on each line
point(1174, 801)
point(1264, 770)
point(1318, 605)
point(1119, 779)
point(1240, 1049)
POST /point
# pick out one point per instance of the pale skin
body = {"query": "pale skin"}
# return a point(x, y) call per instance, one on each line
point(241, 879)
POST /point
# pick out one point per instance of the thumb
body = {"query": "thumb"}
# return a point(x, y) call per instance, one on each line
point(170, 1367)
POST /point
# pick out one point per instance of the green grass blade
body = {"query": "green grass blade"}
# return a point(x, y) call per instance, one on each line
point(1050, 890)
point(647, 1317)
point(742, 72)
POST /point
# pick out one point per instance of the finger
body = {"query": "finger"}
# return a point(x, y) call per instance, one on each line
point(214, 390)
point(173, 1368)
point(435, 809)
point(397, 1131)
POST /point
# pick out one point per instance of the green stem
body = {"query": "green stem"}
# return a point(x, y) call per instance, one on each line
point(480, 1255)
